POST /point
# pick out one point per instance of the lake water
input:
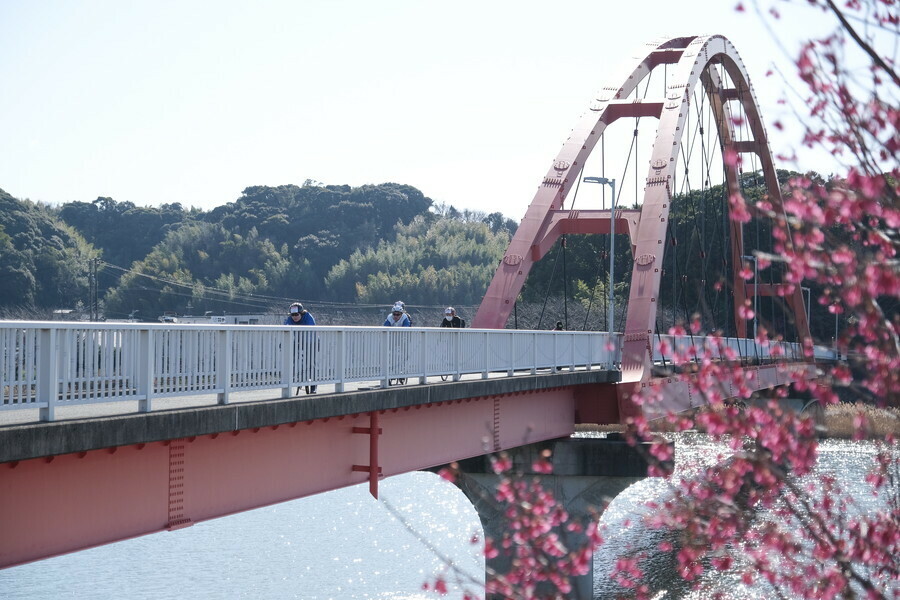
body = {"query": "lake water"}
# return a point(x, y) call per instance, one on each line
point(346, 545)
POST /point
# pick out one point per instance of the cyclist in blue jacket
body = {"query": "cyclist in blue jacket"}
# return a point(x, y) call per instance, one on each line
point(301, 316)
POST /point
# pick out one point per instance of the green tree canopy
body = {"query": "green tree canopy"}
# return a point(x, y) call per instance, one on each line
point(430, 262)
point(124, 232)
point(43, 262)
point(213, 269)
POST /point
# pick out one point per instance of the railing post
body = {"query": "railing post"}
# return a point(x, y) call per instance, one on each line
point(555, 355)
point(287, 363)
point(341, 360)
point(48, 374)
point(423, 340)
point(385, 358)
point(512, 351)
point(457, 353)
point(612, 352)
point(223, 365)
point(572, 351)
point(145, 362)
point(534, 353)
point(589, 358)
point(484, 347)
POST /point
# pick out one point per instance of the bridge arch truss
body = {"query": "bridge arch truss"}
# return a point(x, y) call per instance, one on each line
point(697, 71)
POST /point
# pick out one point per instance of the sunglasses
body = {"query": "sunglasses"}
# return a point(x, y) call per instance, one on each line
point(294, 314)
point(397, 314)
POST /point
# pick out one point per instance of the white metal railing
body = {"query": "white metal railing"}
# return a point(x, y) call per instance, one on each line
point(47, 365)
point(687, 347)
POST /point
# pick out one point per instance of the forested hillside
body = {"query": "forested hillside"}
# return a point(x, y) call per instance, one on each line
point(358, 246)
point(369, 244)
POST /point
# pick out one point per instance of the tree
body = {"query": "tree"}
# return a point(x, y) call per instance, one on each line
point(211, 268)
point(429, 262)
point(124, 232)
point(43, 262)
point(841, 235)
point(322, 223)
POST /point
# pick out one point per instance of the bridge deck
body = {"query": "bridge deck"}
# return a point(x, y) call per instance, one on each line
point(88, 427)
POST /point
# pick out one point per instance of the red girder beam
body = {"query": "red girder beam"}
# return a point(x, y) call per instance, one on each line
point(667, 56)
point(745, 146)
point(59, 504)
point(584, 222)
point(618, 109)
point(734, 93)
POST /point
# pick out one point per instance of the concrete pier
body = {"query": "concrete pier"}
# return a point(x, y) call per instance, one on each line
point(587, 474)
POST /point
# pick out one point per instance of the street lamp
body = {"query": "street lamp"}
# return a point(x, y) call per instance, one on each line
point(835, 324)
point(612, 246)
point(808, 292)
point(755, 291)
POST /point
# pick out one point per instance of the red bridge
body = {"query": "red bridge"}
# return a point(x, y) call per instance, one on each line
point(70, 480)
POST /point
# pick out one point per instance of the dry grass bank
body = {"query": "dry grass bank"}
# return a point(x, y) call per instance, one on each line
point(838, 420)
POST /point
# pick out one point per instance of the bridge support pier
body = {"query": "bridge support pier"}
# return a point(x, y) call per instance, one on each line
point(587, 474)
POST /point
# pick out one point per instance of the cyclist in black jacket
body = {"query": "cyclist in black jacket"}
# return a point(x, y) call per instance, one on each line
point(451, 319)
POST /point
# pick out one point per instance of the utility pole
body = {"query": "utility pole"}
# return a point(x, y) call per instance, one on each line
point(92, 288)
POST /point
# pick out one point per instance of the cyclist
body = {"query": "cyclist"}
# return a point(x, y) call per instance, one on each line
point(451, 319)
point(300, 316)
point(397, 317)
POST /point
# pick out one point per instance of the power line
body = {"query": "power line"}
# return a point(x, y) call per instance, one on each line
point(251, 300)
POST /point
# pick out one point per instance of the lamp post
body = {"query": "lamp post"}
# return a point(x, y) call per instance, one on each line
point(835, 324)
point(755, 291)
point(610, 309)
point(808, 293)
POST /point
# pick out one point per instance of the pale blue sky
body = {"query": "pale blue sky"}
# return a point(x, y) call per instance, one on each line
point(192, 101)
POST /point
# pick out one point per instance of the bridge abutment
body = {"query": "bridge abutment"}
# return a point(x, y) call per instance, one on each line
point(587, 474)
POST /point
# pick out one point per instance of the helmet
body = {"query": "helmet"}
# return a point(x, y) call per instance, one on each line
point(296, 308)
point(449, 310)
point(398, 307)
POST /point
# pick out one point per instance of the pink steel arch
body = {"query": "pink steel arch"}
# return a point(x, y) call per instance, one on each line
point(693, 58)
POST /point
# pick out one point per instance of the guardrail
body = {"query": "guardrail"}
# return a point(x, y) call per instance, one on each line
point(47, 365)
point(729, 348)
